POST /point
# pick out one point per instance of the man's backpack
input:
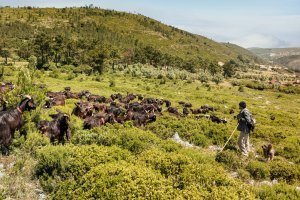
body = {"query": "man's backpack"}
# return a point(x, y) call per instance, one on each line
point(251, 124)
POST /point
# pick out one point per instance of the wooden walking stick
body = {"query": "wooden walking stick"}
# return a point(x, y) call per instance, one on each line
point(229, 138)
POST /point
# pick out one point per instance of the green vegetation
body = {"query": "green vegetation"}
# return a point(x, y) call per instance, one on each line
point(123, 160)
point(120, 161)
point(91, 39)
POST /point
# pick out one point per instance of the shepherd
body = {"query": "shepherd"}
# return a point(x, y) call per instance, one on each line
point(244, 126)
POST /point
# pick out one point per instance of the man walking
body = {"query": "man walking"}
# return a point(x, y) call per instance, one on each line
point(244, 118)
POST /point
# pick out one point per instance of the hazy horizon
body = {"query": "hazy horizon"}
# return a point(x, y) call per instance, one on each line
point(256, 23)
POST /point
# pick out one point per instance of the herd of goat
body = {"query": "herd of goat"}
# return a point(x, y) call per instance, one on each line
point(95, 110)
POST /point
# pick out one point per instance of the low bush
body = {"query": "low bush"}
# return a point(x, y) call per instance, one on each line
point(35, 141)
point(213, 182)
point(285, 171)
point(258, 170)
point(290, 149)
point(59, 163)
point(130, 138)
point(198, 131)
point(119, 180)
point(170, 165)
point(277, 191)
point(243, 174)
point(229, 159)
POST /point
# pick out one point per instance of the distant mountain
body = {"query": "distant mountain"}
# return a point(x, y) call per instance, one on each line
point(288, 57)
point(75, 35)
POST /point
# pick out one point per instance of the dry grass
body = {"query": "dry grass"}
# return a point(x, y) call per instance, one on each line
point(17, 181)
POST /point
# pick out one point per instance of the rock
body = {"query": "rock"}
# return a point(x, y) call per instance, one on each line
point(42, 196)
point(233, 174)
point(177, 139)
point(265, 183)
point(41, 193)
point(251, 182)
point(215, 148)
point(10, 165)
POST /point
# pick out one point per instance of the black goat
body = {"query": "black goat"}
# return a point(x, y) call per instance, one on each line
point(56, 129)
point(12, 120)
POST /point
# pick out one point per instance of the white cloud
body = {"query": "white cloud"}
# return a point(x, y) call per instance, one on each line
point(260, 40)
point(248, 31)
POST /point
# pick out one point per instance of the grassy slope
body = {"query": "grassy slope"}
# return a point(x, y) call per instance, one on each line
point(263, 104)
point(137, 27)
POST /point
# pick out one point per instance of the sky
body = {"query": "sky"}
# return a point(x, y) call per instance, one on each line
point(248, 23)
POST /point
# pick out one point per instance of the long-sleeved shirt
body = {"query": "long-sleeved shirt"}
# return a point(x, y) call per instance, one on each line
point(244, 118)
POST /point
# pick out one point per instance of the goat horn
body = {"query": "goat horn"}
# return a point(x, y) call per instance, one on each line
point(27, 96)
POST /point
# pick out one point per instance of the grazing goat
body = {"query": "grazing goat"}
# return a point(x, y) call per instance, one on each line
point(12, 120)
point(56, 129)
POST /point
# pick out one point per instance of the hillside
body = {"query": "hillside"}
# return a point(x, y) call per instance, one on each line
point(292, 62)
point(57, 35)
point(124, 107)
point(130, 161)
point(287, 57)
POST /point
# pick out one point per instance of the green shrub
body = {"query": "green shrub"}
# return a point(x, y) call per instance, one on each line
point(130, 138)
point(230, 159)
point(203, 77)
point(243, 174)
point(170, 146)
point(86, 69)
point(56, 163)
point(98, 78)
point(54, 73)
point(160, 76)
point(278, 191)
point(171, 75)
point(163, 81)
point(199, 140)
point(285, 171)
point(258, 170)
point(215, 181)
point(291, 149)
point(67, 68)
point(241, 89)
point(35, 141)
point(112, 83)
point(176, 165)
point(118, 180)
point(71, 76)
point(235, 83)
point(169, 164)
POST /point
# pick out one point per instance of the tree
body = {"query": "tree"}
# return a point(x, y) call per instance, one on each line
point(204, 64)
point(4, 52)
point(190, 66)
point(229, 68)
point(217, 78)
point(97, 58)
point(203, 77)
point(57, 48)
point(32, 62)
point(43, 48)
point(214, 68)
